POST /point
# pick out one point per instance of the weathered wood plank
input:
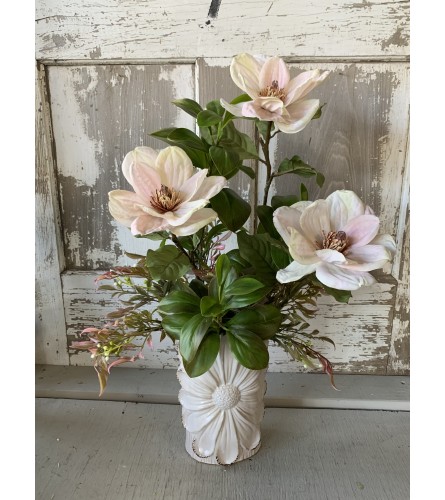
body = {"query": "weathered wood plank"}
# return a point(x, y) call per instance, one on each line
point(284, 390)
point(93, 29)
point(99, 114)
point(109, 450)
point(360, 329)
point(50, 343)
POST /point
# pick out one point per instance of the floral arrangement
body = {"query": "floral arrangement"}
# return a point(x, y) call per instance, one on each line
point(264, 291)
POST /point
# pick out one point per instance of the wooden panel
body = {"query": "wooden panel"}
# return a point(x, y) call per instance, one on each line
point(99, 114)
point(94, 29)
point(108, 450)
point(50, 342)
point(361, 329)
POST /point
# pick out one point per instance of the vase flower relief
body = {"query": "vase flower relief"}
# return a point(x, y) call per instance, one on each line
point(222, 410)
point(337, 238)
point(274, 95)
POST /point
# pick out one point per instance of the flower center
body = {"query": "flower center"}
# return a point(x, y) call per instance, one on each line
point(226, 396)
point(334, 240)
point(273, 91)
point(165, 199)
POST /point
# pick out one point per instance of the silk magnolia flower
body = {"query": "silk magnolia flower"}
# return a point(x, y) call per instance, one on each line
point(275, 96)
point(170, 193)
point(337, 238)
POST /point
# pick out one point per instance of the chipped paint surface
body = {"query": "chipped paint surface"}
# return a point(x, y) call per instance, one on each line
point(189, 30)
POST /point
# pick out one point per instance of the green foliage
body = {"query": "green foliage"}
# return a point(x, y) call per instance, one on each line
point(189, 106)
point(265, 214)
point(205, 356)
point(284, 201)
point(263, 320)
point(232, 210)
point(167, 263)
point(249, 349)
point(208, 118)
point(225, 163)
point(192, 334)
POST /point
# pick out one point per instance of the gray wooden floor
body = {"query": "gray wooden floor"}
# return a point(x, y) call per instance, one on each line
point(94, 450)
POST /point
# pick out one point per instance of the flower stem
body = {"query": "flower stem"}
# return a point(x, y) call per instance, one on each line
point(183, 250)
point(269, 174)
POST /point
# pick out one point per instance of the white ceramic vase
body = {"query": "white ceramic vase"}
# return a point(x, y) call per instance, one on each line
point(222, 410)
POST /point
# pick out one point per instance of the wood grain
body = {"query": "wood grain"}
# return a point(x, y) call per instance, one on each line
point(109, 450)
point(51, 340)
point(93, 29)
point(99, 114)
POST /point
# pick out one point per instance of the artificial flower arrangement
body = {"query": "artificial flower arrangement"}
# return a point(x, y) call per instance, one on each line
point(223, 309)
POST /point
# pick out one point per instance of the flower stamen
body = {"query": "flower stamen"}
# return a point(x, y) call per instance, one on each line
point(334, 240)
point(165, 199)
point(273, 91)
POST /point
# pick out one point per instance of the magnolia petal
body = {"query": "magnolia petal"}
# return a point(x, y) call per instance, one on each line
point(368, 257)
point(124, 206)
point(294, 272)
point(315, 220)
point(235, 109)
point(387, 241)
point(191, 186)
point(344, 205)
point(300, 114)
point(361, 230)
point(198, 220)
point(274, 70)
point(264, 108)
point(143, 178)
point(210, 187)
point(144, 154)
point(146, 224)
point(285, 218)
point(227, 444)
point(183, 213)
point(341, 278)
point(332, 256)
point(174, 167)
point(302, 84)
point(302, 250)
point(245, 72)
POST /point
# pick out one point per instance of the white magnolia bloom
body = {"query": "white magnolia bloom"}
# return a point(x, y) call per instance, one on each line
point(337, 238)
point(170, 193)
point(223, 408)
point(275, 97)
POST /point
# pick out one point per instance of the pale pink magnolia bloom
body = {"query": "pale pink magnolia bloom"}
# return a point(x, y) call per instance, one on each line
point(275, 97)
point(337, 238)
point(170, 193)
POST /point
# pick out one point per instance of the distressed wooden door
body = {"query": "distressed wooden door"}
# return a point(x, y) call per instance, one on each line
point(106, 73)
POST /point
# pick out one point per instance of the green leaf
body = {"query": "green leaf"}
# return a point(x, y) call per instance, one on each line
point(216, 107)
point(192, 334)
point(243, 286)
point(284, 201)
point(198, 287)
point(257, 251)
point(208, 118)
point(205, 357)
point(262, 127)
point(319, 179)
point(158, 236)
point(295, 166)
point(263, 320)
point(167, 263)
point(241, 98)
point(179, 302)
point(249, 349)
point(234, 140)
point(226, 163)
point(237, 261)
point(318, 113)
point(239, 301)
point(189, 106)
point(304, 193)
point(265, 214)
point(173, 324)
point(187, 138)
point(232, 210)
point(247, 170)
point(210, 307)
point(225, 273)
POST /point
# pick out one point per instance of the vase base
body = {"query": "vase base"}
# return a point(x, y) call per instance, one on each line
point(243, 455)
